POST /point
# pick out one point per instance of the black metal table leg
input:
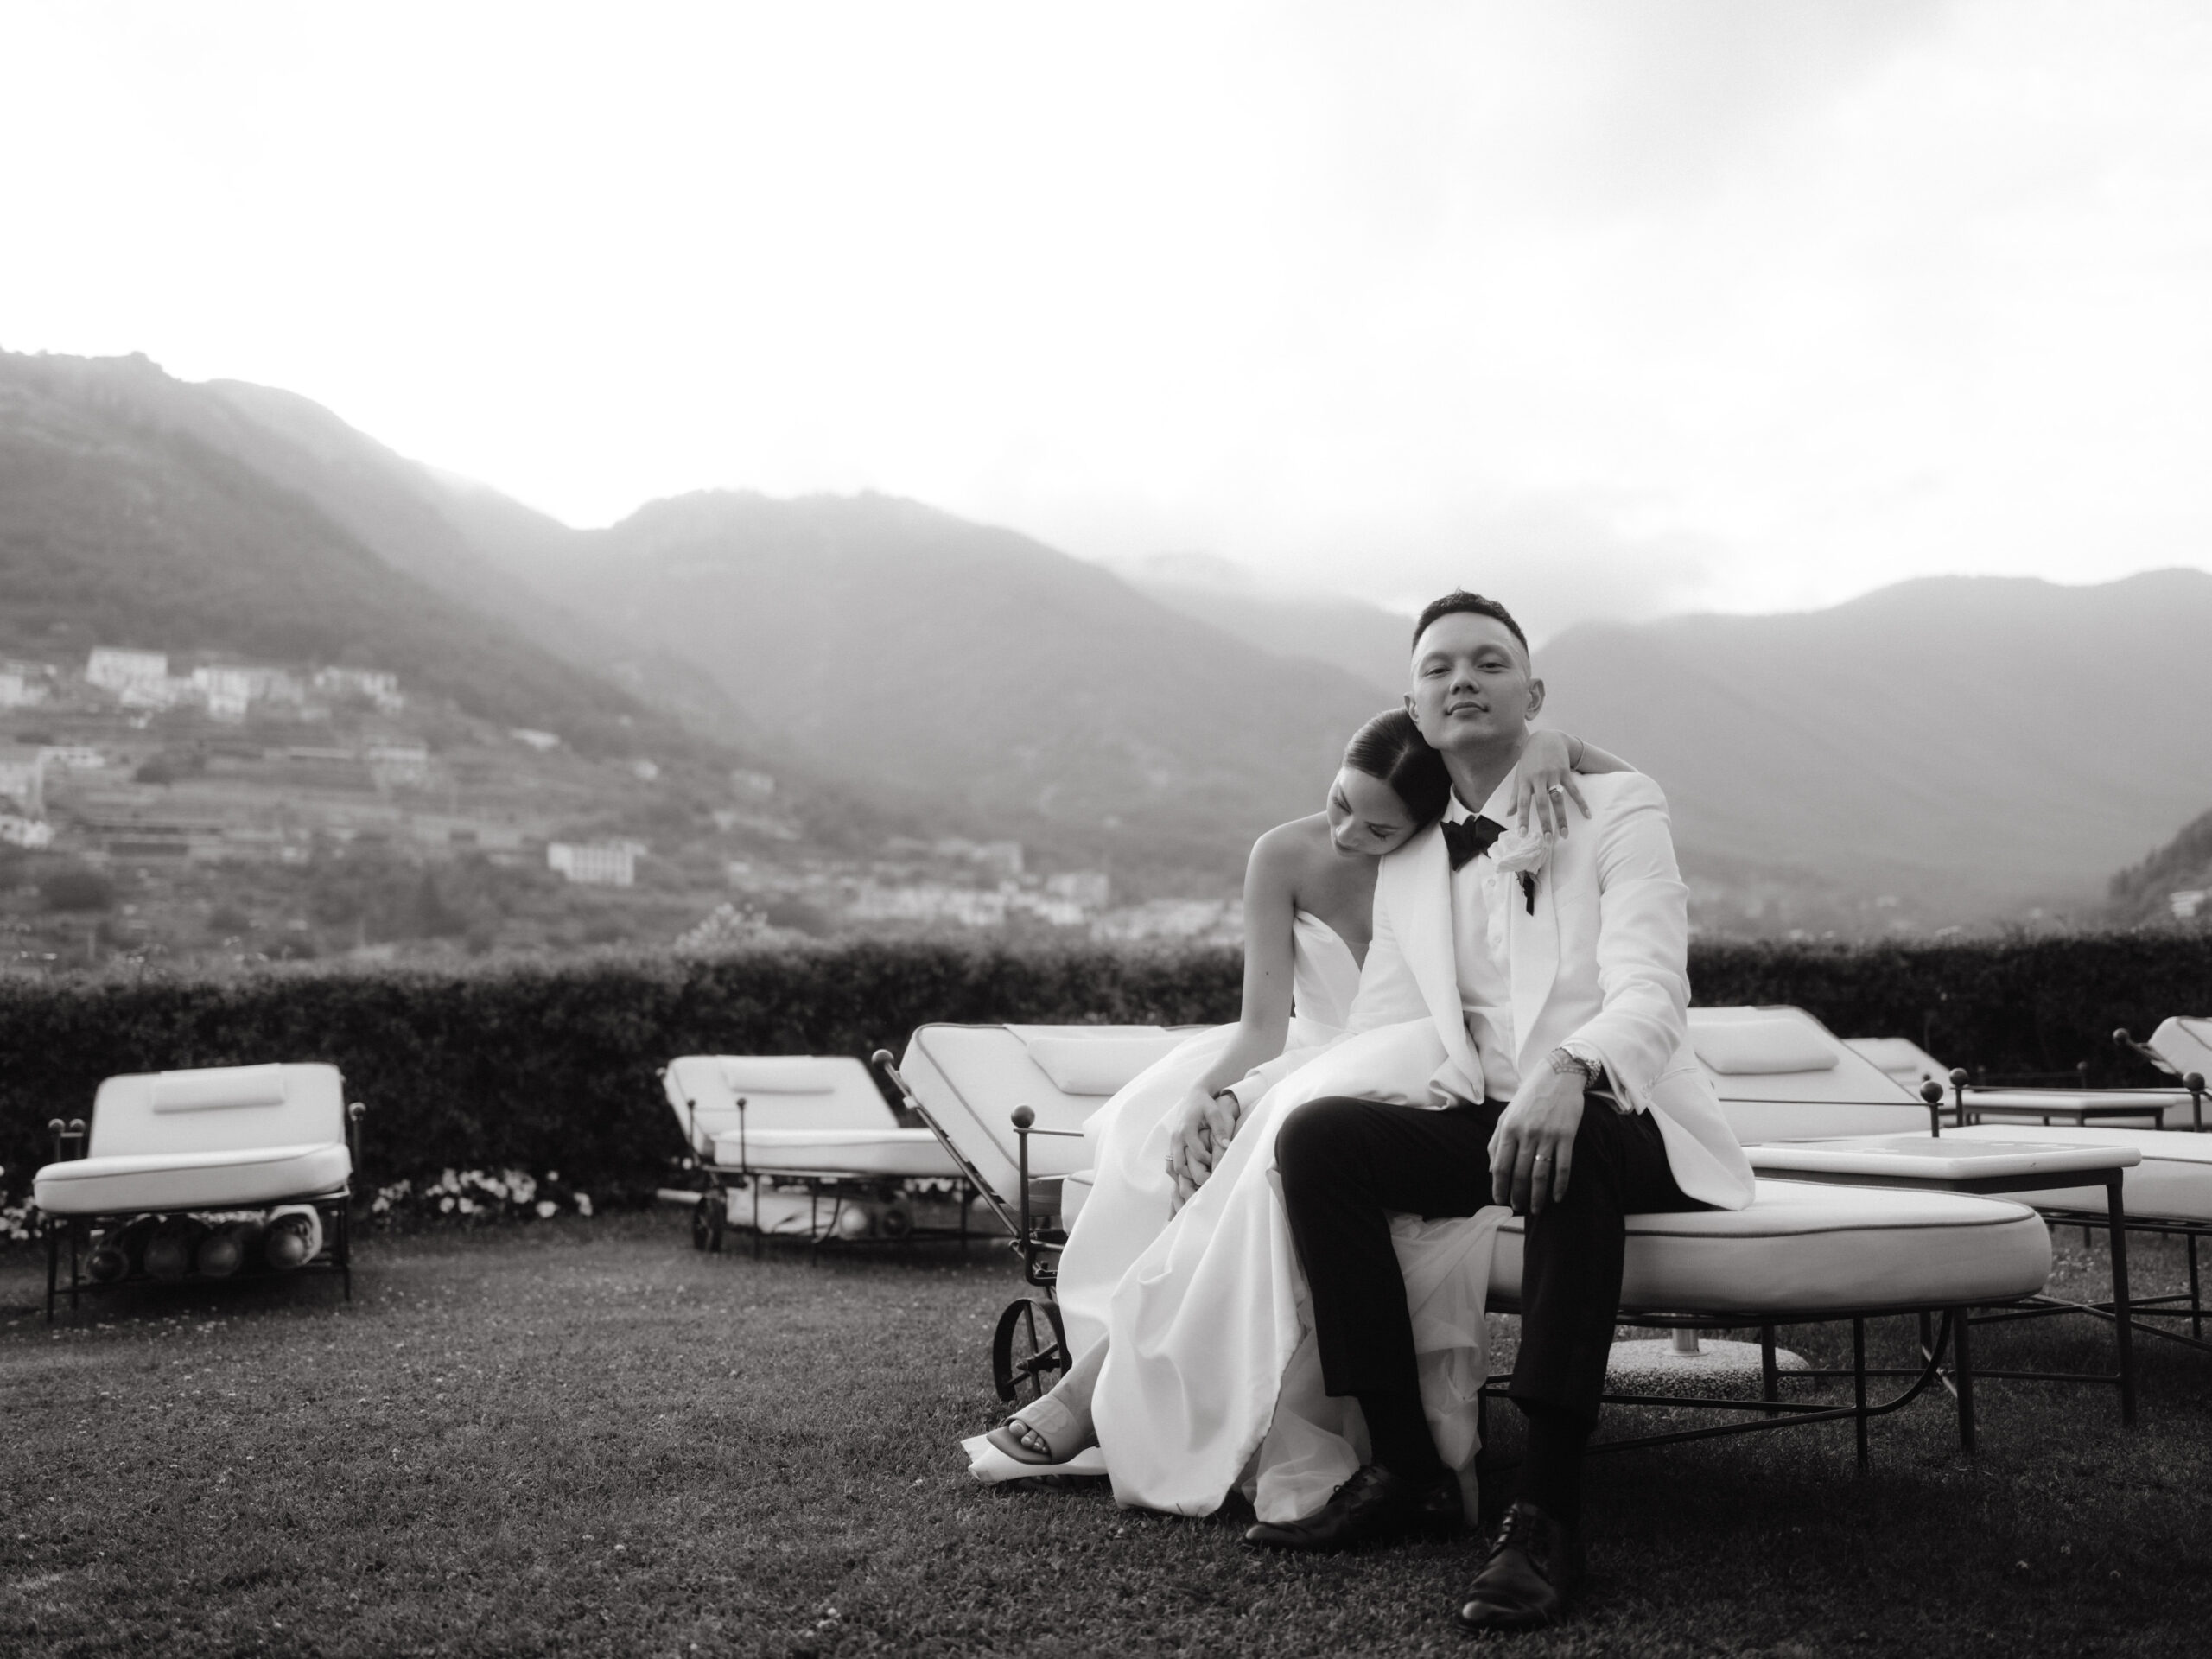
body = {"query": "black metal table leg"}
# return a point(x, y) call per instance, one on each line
point(1859, 1387)
point(2122, 1325)
point(1962, 1376)
point(52, 1264)
point(2195, 1306)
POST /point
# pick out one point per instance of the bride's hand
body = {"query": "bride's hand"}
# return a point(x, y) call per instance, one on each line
point(1545, 781)
point(1204, 1127)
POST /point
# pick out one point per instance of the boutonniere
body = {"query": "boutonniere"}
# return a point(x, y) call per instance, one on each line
point(1522, 853)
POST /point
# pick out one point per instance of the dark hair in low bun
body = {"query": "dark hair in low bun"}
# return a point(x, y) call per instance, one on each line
point(1391, 749)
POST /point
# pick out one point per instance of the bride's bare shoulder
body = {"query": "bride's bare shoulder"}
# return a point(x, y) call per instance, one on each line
point(1292, 850)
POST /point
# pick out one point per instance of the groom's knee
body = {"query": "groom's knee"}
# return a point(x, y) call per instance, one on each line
point(1318, 1141)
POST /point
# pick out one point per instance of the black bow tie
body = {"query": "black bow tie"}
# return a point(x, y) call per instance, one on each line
point(1470, 838)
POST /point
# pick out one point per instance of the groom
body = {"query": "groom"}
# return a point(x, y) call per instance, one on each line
point(1554, 973)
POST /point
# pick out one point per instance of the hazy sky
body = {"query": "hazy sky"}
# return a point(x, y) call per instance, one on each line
point(1608, 307)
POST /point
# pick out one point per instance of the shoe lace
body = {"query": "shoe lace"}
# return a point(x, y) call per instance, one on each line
point(1522, 1528)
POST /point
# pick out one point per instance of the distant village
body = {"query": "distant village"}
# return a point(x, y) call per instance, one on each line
point(167, 781)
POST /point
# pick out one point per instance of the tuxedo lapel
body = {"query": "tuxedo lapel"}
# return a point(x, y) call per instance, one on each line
point(1419, 896)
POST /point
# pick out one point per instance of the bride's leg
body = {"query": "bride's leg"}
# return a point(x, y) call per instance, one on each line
point(1057, 1427)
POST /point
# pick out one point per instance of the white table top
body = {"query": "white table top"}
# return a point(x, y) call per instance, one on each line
point(2145, 1101)
point(1927, 1157)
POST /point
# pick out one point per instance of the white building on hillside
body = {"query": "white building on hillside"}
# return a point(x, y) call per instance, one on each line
point(228, 689)
point(20, 687)
point(25, 832)
point(115, 670)
point(612, 865)
point(380, 686)
point(22, 778)
point(399, 765)
point(1088, 888)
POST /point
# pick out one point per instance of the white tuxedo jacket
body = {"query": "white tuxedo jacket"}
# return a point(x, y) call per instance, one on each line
point(1603, 958)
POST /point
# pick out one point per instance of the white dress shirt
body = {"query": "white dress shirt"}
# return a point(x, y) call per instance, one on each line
point(1485, 985)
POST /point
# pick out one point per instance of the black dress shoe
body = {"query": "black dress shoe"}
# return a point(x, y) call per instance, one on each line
point(1373, 1504)
point(1528, 1576)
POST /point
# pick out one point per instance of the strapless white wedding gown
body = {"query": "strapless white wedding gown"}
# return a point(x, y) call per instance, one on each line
point(1133, 1195)
point(1212, 1381)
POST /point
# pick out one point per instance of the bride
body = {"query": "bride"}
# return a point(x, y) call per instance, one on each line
point(1309, 892)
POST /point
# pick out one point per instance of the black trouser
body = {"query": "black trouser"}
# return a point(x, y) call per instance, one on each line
point(1347, 1165)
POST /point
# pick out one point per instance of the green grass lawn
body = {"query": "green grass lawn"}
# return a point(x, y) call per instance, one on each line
point(587, 1438)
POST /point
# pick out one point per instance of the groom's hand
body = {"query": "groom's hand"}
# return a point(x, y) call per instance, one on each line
point(1532, 1150)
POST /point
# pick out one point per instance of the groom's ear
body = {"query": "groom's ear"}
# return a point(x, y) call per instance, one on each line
point(1412, 714)
point(1536, 698)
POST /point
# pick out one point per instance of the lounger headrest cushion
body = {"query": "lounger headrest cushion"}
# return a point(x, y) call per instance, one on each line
point(219, 1088)
point(776, 1074)
point(1898, 1056)
point(1761, 1047)
point(1098, 1066)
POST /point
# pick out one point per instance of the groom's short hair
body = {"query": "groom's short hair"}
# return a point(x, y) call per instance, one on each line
point(1460, 600)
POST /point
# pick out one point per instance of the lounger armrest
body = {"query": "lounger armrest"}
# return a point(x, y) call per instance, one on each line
point(355, 1114)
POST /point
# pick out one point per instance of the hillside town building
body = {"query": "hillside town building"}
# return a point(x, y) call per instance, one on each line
point(22, 778)
point(595, 865)
point(119, 670)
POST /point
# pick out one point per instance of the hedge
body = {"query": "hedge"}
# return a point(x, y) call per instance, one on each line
point(552, 1066)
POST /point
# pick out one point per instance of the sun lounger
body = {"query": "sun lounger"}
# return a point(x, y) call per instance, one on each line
point(243, 1138)
point(781, 1136)
point(1800, 1253)
point(1805, 1253)
point(1009, 1104)
point(2169, 1192)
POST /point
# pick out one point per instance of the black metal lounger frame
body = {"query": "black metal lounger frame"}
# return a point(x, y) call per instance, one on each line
point(1022, 1357)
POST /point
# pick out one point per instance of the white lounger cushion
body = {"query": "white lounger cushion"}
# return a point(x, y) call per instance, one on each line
point(1848, 1094)
point(1100, 1066)
point(805, 1093)
point(1759, 1045)
point(2172, 1182)
point(971, 1079)
point(775, 1074)
point(219, 1088)
point(219, 1108)
point(132, 1182)
point(1904, 1062)
point(2183, 1043)
point(888, 1153)
point(1801, 1246)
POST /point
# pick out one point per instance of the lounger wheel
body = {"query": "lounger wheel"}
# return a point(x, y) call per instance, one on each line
point(708, 1219)
point(1025, 1360)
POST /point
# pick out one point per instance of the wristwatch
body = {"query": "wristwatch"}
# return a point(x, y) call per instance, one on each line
point(1576, 1056)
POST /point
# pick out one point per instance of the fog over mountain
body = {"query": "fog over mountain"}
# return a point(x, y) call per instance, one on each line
point(1363, 639)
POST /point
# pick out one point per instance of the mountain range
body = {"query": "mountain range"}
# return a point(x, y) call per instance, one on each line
point(1971, 742)
point(1959, 747)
